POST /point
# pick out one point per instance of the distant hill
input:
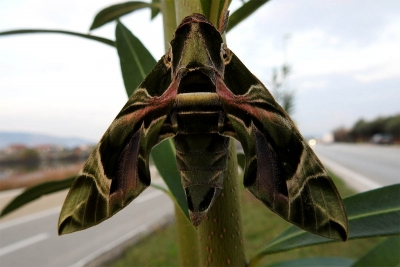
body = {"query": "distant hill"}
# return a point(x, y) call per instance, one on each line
point(31, 139)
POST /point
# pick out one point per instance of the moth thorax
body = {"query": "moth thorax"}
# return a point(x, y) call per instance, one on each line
point(198, 81)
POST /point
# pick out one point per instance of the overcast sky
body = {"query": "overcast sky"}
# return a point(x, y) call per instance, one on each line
point(345, 56)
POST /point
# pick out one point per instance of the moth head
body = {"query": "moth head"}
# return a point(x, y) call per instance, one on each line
point(197, 45)
point(225, 54)
point(168, 58)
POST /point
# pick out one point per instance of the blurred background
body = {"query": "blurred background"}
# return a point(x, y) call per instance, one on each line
point(333, 64)
point(343, 58)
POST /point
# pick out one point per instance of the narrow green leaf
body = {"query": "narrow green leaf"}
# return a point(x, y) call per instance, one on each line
point(314, 262)
point(206, 7)
point(115, 11)
point(213, 9)
point(135, 60)
point(386, 253)
point(241, 159)
point(243, 12)
point(155, 10)
point(162, 188)
point(214, 14)
point(87, 36)
point(35, 192)
point(372, 213)
point(164, 158)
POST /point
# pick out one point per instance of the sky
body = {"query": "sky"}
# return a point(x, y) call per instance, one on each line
point(344, 56)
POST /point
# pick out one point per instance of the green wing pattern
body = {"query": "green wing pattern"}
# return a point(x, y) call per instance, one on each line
point(117, 171)
point(281, 169)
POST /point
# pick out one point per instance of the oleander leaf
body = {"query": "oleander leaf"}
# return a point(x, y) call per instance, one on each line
point(164, 158)
point(34, 192)
point(386, 253)
point(155, 10)
point(314, 262)
point(116, 11)
point(86, 36)
point(372, 213)
point(135, 60)
point(243, 12)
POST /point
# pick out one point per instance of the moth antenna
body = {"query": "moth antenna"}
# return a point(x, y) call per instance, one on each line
point(223, 19)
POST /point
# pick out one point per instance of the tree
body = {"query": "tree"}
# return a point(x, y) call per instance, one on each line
point(280, 89)
point(341, 134)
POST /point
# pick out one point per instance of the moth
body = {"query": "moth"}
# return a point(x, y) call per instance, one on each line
point(200, 94)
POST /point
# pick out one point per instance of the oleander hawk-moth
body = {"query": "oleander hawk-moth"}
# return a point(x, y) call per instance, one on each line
point(200, 94)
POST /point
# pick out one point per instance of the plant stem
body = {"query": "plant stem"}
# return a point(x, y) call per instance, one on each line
point(221, 233)
point(214, 12)
point(185, 8)
point(187, 238)
point(169, 21)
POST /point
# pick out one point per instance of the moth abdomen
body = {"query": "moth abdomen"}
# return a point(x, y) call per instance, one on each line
point(202, 161)
point(201, 152)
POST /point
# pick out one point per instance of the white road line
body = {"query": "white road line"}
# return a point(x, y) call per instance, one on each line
point(52, 211)
point(23, 243)
point(123, 238)
point(354, 180)
point(110, 246)
point(148, 196)
point(29, 218)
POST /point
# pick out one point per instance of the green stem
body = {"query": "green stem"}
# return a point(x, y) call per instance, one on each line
point(185, 8)
point(169, 21)
point(221, 233)
point(187, 240)
point(214, 12)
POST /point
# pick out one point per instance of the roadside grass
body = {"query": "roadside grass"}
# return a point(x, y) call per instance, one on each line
point(260, 225)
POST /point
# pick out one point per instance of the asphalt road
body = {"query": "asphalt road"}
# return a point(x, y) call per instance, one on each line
point(363, 167)
point(29, 237)
point(32, 240)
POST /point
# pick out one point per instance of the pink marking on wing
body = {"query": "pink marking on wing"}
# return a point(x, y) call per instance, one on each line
point(232, 100)
point(159, 102)
point(243, 102)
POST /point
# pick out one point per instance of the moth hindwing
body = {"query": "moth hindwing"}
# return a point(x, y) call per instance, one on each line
point(201, 94)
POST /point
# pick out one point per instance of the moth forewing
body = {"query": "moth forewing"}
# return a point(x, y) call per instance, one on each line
point(117, 170)
point(281, 169)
